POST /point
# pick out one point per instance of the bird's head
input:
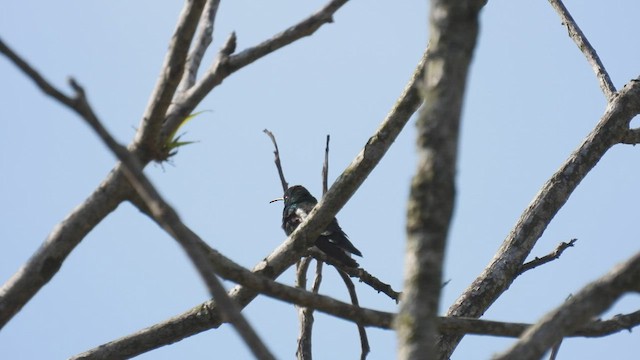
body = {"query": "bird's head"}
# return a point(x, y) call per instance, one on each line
point(296, 194)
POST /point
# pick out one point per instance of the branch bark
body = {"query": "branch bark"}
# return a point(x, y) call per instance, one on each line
point(577, 311)
point(147, 142)
point(504, 267)
point(606, 85)
point(206, 316)
point(555, 254)
point(453, 32)
point(147, 145)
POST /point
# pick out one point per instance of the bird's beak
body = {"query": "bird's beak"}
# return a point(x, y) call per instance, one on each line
point(274, 200)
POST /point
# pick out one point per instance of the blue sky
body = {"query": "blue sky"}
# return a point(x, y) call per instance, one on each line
point(531, 100)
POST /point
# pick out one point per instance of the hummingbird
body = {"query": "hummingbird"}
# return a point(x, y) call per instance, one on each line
point(298, 203)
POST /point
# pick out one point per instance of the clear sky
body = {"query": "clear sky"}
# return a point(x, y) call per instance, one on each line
point(531, 100)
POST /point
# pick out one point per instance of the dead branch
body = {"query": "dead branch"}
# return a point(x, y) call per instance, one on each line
point(226, 63)
point(364, 341)
point(358, 273)
point(201, 43)
point(276, 154)
point(305, 314)
point(555, 254)
point(606, 85)
point(504, 267)
point(206, 316)
point(577, 311)
point(454, 27)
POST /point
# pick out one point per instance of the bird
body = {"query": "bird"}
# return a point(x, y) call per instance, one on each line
point(298, 203)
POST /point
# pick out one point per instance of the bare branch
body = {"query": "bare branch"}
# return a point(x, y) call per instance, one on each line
point(606, 85)
point(34, 75)
point(577, 311)
point(162, 213)
point(364, 341)
point(227, 65)
point(147, 139)
point(504, 267)
point(453, 34)
point(202, 42)
point(46, 261)
point(276, 154)
point(325, 168)
point(305, 314)
point(206, 316)
point(555, 254)
point(632, 137)
point(359, 273)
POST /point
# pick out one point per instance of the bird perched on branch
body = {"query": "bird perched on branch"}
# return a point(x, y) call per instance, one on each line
point(298, 203)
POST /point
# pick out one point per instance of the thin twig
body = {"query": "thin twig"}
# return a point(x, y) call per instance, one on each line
point(555, 254)
point(359, 273)
point(276, 154)
point(325, 168)
point(305, 314)
point(364, 341)
point(226, 65)
point(577, 311)
point(606, 85)
point(200, 45)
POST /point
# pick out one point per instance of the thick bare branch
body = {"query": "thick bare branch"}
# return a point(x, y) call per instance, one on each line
point(632, 137)
point(555, 254)
point(591, 301)
point(504, 267)
point(206, 316)
point(453, 33)
point(161, 211)
point(606, 85)
point(226, 64)
point(46, 261)
point(147, 141)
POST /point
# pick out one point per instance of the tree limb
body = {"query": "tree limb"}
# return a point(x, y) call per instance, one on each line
point(47, 260)
point(577, 311)
point(504, 267)
point(453, 29)
point(606, 85)
point(227, 64)
point(114, 189)
point(206, 316)
point(200, 45)
point(147, 142)
point(305, 314)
